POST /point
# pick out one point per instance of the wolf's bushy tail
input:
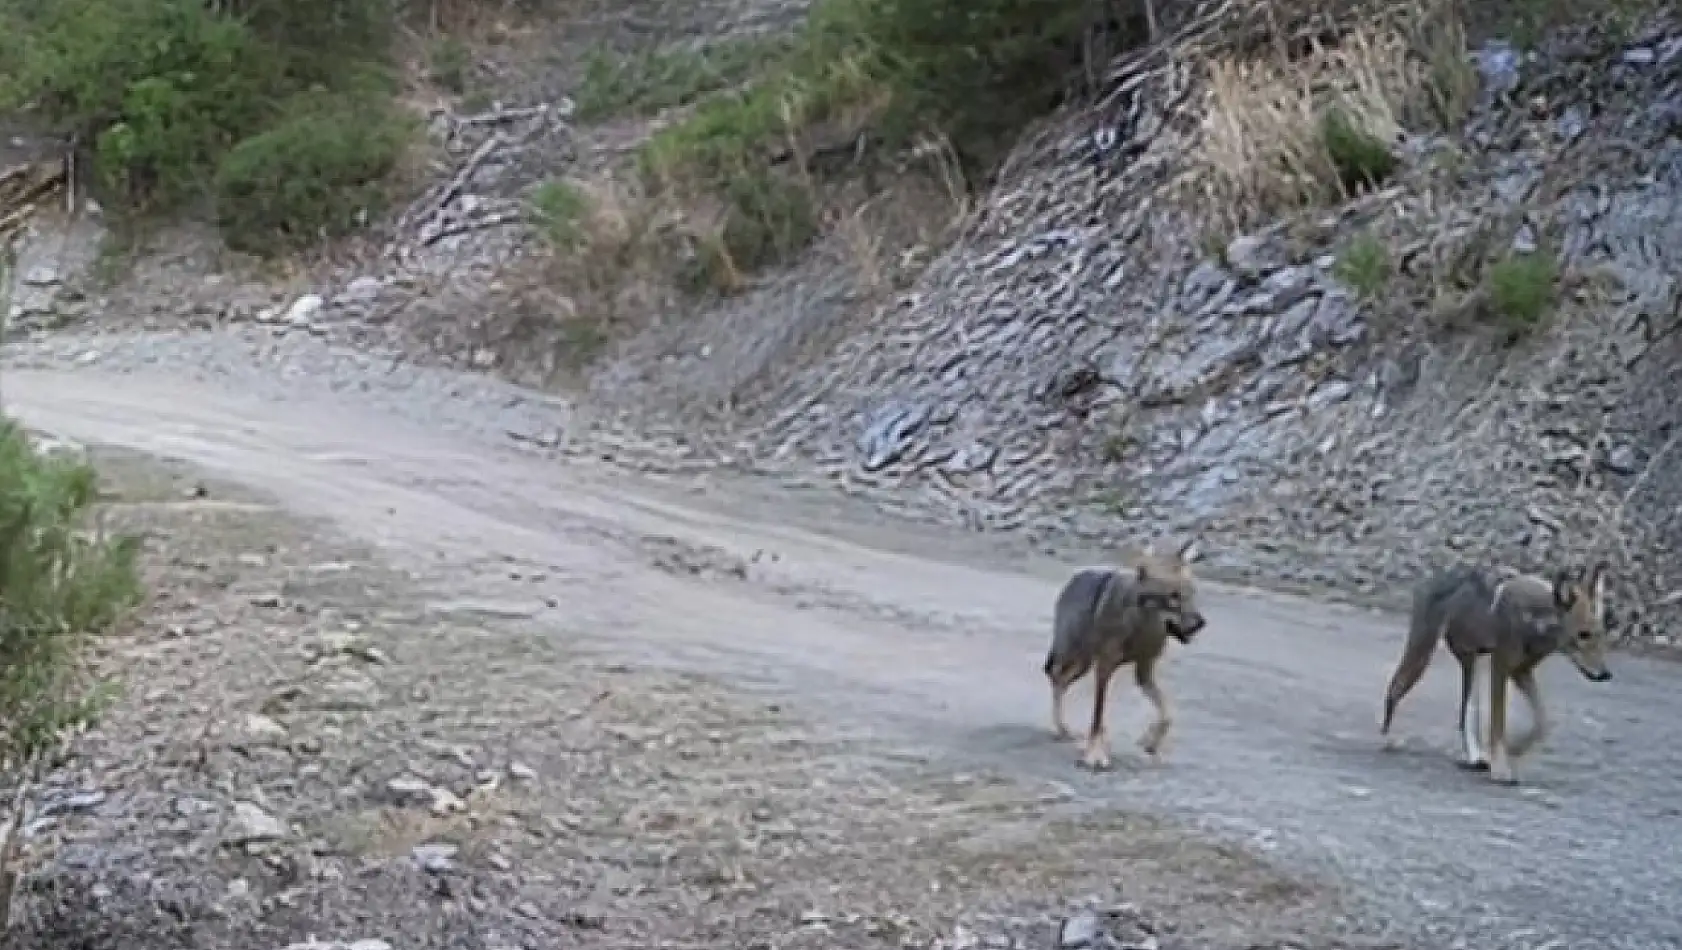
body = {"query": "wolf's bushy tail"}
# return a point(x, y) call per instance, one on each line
point(1426, 626)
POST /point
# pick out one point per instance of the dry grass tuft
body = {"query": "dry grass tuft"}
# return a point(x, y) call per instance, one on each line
point(1281, 133)
point(600, 263)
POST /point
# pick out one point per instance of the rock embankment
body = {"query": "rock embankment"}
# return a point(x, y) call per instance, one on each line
point(1080, 362)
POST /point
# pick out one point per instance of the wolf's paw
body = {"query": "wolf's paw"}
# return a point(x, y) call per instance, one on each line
point(1473, 765)
point(1502, 774)
point(1096, 759)
point(1152, 745)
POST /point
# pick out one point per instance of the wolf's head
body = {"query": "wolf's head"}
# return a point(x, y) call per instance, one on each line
point(1582, 608)
point(1165, 583)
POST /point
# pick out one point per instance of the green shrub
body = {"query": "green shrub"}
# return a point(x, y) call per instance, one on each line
point(319, 173)
point(450, 62)
point(976, 70)
point(159, 91)
point(59, 584)
point(973, 71)
point(159, 88)
point(558, 208)
point(1363, 265)
point(329, 44)
point(1362, 159)
point(727, 135)
point(1521, 288)
point(768, 219)
point(646, 83)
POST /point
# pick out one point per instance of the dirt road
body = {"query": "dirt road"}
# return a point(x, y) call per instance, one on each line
point(1275, 739)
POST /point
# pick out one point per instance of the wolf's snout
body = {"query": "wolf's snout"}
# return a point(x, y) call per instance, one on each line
point(1593, 672)
point(1186, 626)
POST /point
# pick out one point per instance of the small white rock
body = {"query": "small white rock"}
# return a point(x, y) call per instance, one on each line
point(260, 728)
point(408, 790)
point(251, 823)
point(304, 310)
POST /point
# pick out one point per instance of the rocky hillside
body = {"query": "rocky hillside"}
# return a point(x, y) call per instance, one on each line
point(1147, 323)
point(1341, 395)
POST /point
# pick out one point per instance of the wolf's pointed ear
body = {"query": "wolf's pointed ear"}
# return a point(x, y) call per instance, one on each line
point(1597, 581)
point(1190, 551)
point(1565, 590)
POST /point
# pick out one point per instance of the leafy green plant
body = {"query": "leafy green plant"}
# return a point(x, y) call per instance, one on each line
point(450, 63)
point(769, 218)
point(1364, 266)
point(1362, 160)
point(159, 88)
point(160, 91)
point(1522, 287)
point(877, 72)
point(559, 208)
point(319, 173)
point(59, 584)
point(62, 582)
point(646, 83)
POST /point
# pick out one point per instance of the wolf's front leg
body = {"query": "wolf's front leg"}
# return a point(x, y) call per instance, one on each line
point(1155, 737)
point(1097, 754)
point(1500, 763)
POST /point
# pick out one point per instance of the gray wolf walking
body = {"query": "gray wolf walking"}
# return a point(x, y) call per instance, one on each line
point(1510, 626)
point(1106, 619)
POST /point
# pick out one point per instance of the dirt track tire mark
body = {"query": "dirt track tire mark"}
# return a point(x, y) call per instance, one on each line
point(1276, 738)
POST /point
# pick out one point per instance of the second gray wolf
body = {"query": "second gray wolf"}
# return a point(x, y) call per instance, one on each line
point(1509, 625)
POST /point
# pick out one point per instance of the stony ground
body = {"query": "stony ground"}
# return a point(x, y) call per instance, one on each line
point(918, 649)
point(309, 744)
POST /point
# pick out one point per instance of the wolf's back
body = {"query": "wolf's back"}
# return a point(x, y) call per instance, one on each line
point(1077, 616)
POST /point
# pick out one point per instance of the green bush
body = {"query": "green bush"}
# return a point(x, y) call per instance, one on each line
point(767, 219)
point(1362, 160)
point(646, 83)
point(320, 173)
point(1521, 288)
point(160, 91)
point(158, 88)
point(978, 71)
point(558, 208)
point(1363, 265)
point(59, 585)
point(450, 62)
point(973, 71)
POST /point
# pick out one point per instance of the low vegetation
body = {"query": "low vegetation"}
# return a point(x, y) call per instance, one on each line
point(1280, 135)
point(61, 582)
point(179, 103)
point(770, 124)
point(645, 83)
point(1521, 288)
point(604, 252)
point(450, 64)
point(1364, 266)
point(319, 172)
